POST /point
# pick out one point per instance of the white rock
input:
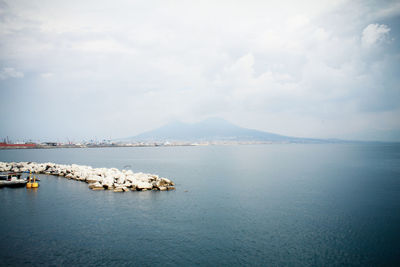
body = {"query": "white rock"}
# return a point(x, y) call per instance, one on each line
point(95, 185)
point(93, 179)
point(108, 182)
point(143, 185)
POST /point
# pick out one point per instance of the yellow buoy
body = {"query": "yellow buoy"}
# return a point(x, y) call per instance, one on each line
point(35, 184)
point(29, 184)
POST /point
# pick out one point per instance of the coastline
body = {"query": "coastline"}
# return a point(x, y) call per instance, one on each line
point(183, 143)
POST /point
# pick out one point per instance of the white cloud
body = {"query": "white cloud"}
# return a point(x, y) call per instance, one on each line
point(374, 33)
point(7, 73)
point(282, 66)
point(47, 75)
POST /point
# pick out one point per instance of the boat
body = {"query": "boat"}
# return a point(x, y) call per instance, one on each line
point(12, 179)
point(6, 145)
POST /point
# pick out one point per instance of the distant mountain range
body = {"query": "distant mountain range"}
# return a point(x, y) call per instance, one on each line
point(213, 129)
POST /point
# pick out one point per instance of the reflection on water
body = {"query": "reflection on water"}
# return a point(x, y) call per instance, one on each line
point(32, 192)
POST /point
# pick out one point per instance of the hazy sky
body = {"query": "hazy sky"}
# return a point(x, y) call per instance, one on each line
point(85, 69)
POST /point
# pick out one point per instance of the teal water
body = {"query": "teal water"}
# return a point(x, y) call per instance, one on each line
point(264, 205)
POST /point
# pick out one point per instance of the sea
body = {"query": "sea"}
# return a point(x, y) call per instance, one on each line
point(239, 205)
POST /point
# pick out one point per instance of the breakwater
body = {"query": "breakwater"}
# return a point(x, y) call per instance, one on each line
point(97, 178)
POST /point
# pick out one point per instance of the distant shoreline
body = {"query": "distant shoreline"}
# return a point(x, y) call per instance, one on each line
point(214, 143)
point(84, 146)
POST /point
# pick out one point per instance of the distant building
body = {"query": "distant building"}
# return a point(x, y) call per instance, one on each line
point(50, 143)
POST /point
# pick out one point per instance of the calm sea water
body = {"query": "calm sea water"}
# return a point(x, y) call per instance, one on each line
point(269, 205)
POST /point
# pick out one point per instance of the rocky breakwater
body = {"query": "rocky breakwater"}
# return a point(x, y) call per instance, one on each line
point(97, 178)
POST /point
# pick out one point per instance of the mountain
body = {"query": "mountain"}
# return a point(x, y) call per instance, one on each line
point(212, 129)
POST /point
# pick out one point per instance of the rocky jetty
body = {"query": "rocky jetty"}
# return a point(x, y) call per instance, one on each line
point(97, 178)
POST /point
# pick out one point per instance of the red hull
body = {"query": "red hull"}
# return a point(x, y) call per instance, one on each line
point(17, 145)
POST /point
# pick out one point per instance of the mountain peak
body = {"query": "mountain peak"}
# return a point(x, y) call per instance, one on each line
point(207, 121)
point(215, 120)
point(210, 129)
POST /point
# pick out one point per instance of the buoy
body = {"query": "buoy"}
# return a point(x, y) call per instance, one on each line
point(35, 184)
point(29, 184)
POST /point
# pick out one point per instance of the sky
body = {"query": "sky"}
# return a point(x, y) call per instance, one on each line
point(80, 70)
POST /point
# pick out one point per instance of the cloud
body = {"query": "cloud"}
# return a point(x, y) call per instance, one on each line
point(7, 73)
point(375, 33)
point(282, 66)
point(47, 75)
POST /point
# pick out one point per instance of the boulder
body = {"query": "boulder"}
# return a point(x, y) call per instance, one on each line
point(121, 179)
point(98, 188)
point(96, 185)
point(144, 185)
point(108, 182)
point(164, 182)
point(126, 189)
point(93, 179)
